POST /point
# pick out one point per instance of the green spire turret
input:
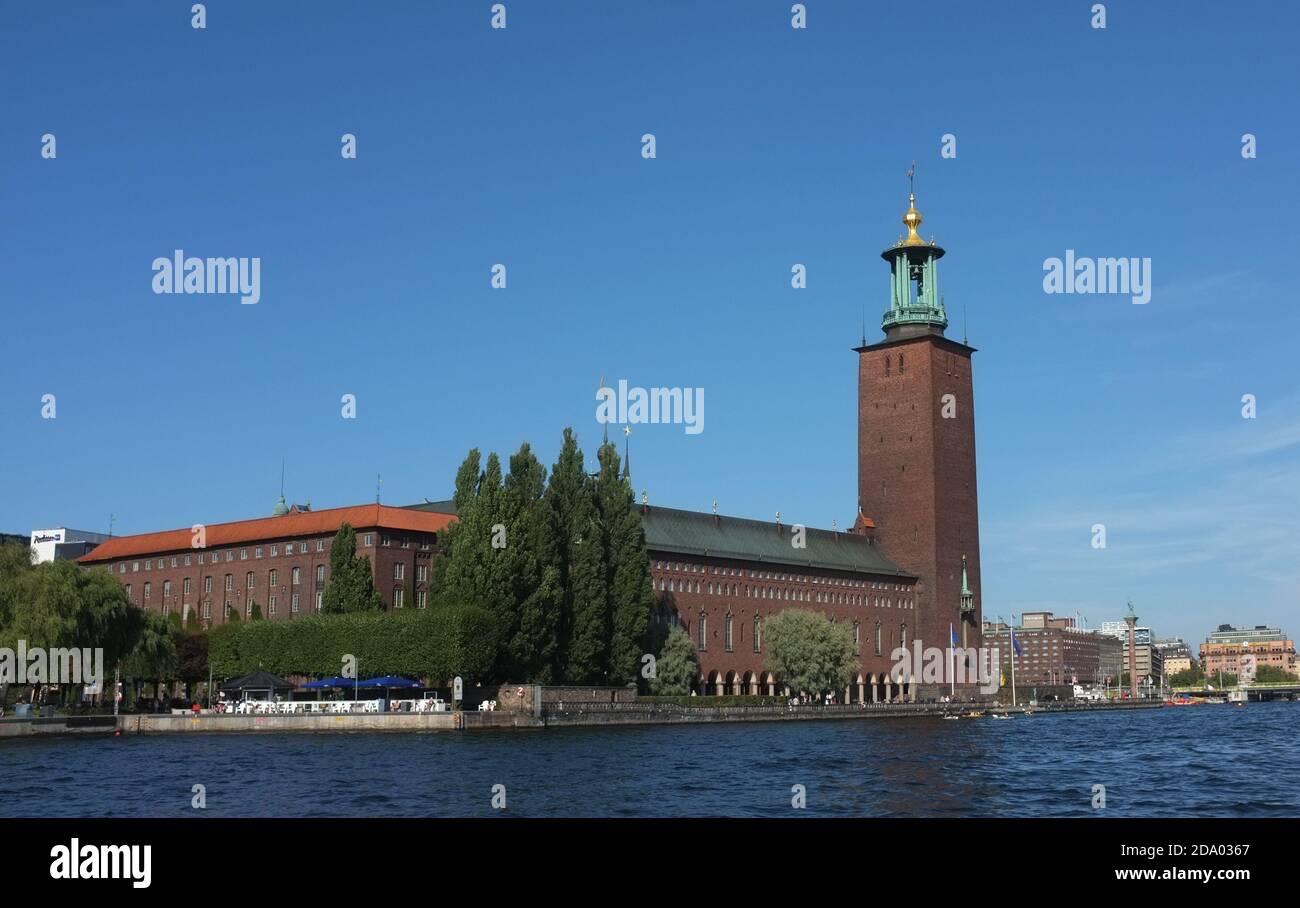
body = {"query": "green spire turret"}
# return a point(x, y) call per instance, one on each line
point(915, 306)
point(967, 597)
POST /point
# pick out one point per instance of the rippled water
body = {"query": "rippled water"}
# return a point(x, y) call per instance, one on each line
point(1197, 761)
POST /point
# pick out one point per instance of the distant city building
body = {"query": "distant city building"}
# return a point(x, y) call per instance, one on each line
point(1175, 654)
point(1224, 649)
point(61, 543)
point(1119, 628)
point(1054, 651)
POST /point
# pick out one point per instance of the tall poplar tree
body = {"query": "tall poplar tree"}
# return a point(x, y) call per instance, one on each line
point(627, 569)
point(584, 638)
point(351, 587)
point(531, 635)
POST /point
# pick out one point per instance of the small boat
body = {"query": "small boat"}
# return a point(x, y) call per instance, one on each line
point(1001, 716)
point(973, 714)
point(952, 717)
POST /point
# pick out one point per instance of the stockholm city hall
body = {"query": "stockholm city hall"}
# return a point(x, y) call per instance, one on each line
point(906, 572)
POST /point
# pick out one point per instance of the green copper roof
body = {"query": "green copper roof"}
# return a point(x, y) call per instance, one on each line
point(437, 507)
point(699, 533)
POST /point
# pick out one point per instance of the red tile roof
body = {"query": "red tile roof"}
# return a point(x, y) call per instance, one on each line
point(270, 529)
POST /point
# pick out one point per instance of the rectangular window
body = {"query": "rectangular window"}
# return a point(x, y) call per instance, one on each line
point(207, 611)
point(185, 586)
point(421, 572)
point(302, 548)
point(230, 554)
point(230, 582)
point(148, 589)
point(257, 552)
point(398, 593)
point(421, 599)
point(275, 550)
point(293, 604)
point(122, 568)
point(320, 545)
point(297, 575)
point(406, 543)
point(135, 567)
point(243, 554)
point(370, 539)
point(274, 573)
point(173, 561)
point(320, 573)
point(399, 571)
point(248, 581)
point(207, 584)
point(167, 587)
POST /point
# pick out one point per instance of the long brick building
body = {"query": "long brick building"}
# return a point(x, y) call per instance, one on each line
point(280, 563)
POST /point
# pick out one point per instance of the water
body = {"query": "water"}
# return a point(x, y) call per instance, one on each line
point(1191, 761)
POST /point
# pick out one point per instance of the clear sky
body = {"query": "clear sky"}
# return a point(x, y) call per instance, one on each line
point(775, 146)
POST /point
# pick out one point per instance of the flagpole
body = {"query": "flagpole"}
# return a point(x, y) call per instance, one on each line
point(952, 669)
point(1012, 631)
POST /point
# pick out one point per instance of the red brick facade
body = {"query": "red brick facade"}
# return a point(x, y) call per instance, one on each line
point(722, 604)
point(280, 563)
point(916, 472)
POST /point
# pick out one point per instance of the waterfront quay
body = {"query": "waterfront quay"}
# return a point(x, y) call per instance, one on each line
point(552, 715)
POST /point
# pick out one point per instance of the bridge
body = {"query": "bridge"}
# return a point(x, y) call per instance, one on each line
point(1267, 690)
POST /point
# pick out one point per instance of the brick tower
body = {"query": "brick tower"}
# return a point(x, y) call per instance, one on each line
point(916, 445)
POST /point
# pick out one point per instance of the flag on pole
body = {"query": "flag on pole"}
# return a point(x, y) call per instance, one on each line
point(955, 641)
point(1015, 644)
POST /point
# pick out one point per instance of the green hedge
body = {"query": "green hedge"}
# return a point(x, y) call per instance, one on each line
point(710, 701)
point(436, 643)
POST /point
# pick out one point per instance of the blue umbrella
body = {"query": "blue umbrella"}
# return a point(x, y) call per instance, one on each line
point(329, 682)
point(389, 681)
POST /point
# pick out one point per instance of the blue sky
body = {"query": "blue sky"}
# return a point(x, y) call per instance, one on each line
point(775, 146)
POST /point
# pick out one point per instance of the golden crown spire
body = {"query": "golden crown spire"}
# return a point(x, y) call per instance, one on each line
point(911, 220)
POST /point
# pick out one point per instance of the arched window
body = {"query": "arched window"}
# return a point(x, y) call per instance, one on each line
point(903, 635)
point(728, 632)
point(877, 638)
point(758, 633)
point(900, 364)
point(857, 634)
point(704, 630)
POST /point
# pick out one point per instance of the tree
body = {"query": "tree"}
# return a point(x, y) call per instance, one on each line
point(351, 585)
point(677, 664)
point(153, 658)
point(584, 632)
point(256, 613)
point(627, 568)
point(1274, 674)
point(809, 653)
point(530, 637)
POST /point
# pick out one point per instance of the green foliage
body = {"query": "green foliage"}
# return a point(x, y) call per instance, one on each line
point(1274, 674)
point(191, 655)
point(631, 598)
point(256, 613)
point(154, 653)
point(351, 586)
point(676, 666)
point(569, 591)
point(436, 643)
point(809, 653)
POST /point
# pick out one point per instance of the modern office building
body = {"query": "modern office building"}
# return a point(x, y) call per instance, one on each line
point(61, 543)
